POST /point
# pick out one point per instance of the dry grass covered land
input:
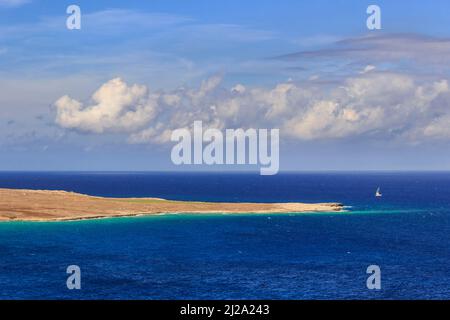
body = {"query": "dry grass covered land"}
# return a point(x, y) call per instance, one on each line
point(45, 205)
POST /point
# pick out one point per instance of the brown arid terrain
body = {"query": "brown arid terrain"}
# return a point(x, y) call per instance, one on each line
point(46, 205)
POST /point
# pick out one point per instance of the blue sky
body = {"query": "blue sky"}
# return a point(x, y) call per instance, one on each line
point(344, 97)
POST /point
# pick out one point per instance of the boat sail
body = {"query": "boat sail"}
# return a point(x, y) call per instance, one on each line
point(378, 193)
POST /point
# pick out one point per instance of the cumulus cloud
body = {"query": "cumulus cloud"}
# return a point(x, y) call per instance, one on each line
point(115, 106)
point(379, 105)
point(383, 105)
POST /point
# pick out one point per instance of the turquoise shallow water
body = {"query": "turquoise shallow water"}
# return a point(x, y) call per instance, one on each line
point(271, 256)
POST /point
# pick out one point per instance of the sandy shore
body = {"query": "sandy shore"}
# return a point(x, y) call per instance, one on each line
point(46, 205)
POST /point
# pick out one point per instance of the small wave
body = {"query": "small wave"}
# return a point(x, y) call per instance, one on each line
point(164, 214)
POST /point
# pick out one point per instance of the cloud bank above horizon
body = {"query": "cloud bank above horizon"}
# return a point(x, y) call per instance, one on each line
point(372, 104)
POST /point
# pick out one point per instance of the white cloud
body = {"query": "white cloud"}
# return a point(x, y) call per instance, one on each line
point(368, 68)
point(382, 105)
point(121, 20)
point(115, 107)
point(438, 128)
point(374, 104)
point(13, 3)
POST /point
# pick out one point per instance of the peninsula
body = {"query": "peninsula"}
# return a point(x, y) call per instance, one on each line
point(47, 205)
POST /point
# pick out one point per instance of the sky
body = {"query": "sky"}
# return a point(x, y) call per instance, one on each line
point(107, 97)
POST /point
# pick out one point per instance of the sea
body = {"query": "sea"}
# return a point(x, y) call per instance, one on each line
point(406, 233)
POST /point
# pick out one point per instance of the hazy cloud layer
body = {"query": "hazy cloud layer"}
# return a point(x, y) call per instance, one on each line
point(384, 47)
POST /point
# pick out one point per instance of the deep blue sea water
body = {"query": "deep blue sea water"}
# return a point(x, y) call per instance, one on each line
point(289, 256)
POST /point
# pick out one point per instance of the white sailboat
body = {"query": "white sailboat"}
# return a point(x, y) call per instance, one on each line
point(378, 193)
